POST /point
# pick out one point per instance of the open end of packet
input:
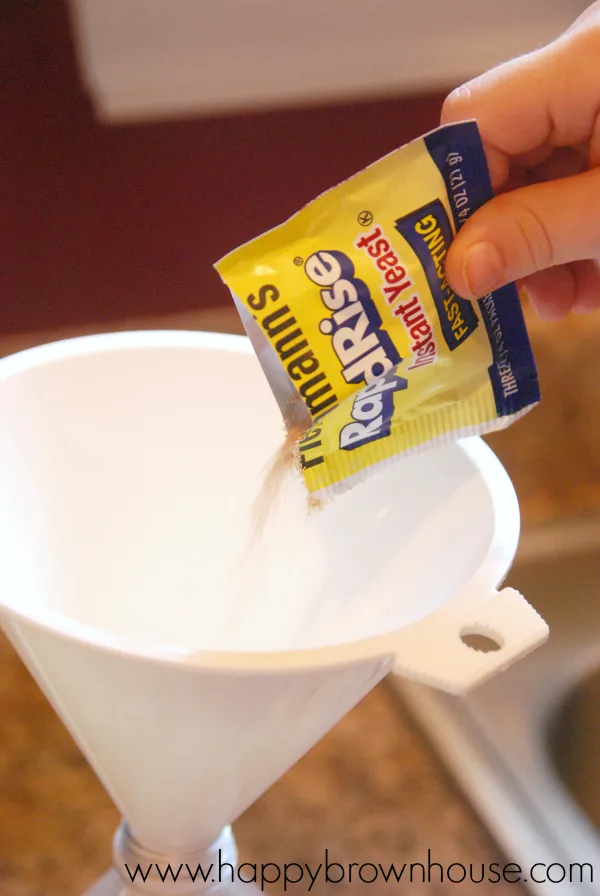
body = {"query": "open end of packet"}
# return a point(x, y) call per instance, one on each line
point(369, 353)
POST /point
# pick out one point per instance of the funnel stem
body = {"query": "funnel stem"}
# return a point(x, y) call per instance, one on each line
point(142, 871)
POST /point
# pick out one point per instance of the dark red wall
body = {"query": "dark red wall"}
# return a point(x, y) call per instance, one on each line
point(111, 222)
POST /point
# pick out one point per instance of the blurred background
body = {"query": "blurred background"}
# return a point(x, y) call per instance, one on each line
point(140, 140)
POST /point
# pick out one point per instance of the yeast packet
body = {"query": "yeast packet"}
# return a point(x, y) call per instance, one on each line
point(370, 354)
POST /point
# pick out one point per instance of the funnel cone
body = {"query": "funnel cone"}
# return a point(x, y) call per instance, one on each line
point(184, 750)
point(193, 659)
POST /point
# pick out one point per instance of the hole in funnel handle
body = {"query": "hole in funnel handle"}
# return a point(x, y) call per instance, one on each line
point(481, 638)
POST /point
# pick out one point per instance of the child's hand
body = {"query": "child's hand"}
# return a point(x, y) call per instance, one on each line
point(539, 117)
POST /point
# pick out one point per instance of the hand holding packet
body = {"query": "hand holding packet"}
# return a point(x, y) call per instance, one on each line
point(369, 353)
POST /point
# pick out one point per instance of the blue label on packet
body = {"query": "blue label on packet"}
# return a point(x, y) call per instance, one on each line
point(429, 233)
point(460, 158)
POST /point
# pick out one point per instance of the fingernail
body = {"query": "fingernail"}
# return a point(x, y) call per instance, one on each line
point(483, 269)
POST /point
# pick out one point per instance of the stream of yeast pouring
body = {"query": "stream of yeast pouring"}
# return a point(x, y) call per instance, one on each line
point(282, 465)
point(272, 528)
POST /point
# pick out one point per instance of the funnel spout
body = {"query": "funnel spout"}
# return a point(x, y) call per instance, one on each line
point(138, 871)
point(172, 874)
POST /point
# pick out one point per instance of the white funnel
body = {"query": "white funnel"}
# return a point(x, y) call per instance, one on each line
point(192, 665)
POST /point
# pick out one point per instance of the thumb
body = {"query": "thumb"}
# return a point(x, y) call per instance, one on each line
point(524, 231)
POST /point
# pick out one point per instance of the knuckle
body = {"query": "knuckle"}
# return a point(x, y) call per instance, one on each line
point(533, 236)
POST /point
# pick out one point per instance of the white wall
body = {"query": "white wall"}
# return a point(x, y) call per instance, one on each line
point(163, 58)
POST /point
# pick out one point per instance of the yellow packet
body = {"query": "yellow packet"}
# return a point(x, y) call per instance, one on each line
point(357, 329)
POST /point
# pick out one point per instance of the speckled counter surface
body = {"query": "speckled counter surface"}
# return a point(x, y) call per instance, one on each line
point(371, 791)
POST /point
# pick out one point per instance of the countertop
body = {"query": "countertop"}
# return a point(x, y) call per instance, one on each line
point(371, 790)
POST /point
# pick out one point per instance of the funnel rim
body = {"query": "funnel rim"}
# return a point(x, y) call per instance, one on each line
point(487, 577)
point(96, 343)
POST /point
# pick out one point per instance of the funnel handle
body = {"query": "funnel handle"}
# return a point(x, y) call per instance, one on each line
point(433, 652)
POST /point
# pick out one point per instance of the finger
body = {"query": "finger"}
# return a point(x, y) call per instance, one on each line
point(551, 292)
point(589, 15)
point(524, 231)
point(548, 96)
point(555, 292)
point(519, 178)
point(564, 162)
point(594, 146)
point(459, 106)
point(587, 286)
point(534, 158)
